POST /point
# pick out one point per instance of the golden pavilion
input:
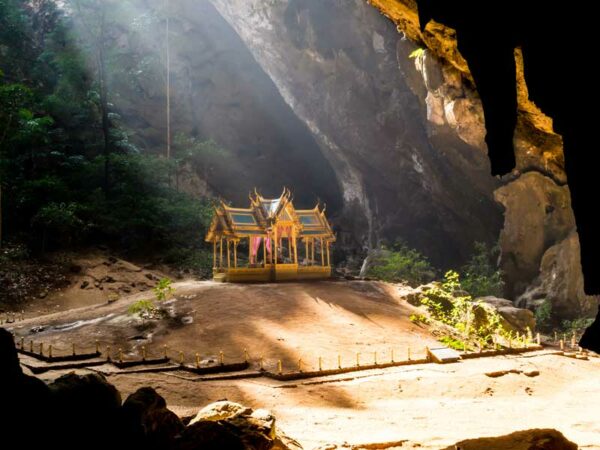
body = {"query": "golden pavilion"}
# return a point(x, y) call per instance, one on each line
point(272, 229)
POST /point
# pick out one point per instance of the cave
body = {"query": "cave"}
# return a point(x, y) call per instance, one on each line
point(294, 224)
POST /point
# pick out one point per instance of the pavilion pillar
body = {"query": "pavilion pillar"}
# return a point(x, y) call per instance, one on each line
point(275, 241)
point(235, 244)
point(265, 251)
point(228, 255)
point(312, 251)
point(328, 256)
point(322, 253)
point(249, 250)
point(306, 249)
point(295, 249)
point(221, 252)
point(214, 253)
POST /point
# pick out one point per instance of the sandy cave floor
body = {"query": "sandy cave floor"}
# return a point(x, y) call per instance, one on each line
point(429, 405)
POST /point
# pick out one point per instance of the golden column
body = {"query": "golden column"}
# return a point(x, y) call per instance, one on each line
point(214, 253)
point(235, 244)
point(275, 237)
point(265, 251)
point(328, 256)
point(306, 248)
point(295, 248)
point(312, 250)
point(322, 252)
point(228, 255)
point(221, 252)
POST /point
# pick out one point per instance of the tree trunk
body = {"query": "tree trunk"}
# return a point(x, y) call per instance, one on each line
point(101, 63)
point(0, 214)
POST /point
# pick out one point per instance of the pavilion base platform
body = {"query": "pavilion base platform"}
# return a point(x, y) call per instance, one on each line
point(279, 272)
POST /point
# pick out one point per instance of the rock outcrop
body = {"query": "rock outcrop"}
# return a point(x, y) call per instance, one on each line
point(560, 282)
point(309, 94)
point(254, 428)
point(537, 203)
point(513, 319)
point(149, 422)
point(85, 411)
point(535, 439)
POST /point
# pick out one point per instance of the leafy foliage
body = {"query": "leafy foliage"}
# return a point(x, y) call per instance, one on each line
point(450, 305)
point(163, 289)
point(401, 264)
point(481, 275)
point(417, 53)
point(543, 316)
point(142, 307)
point(69, 170)
point(454, 343)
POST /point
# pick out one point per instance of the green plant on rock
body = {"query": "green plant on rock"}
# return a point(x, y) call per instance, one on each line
point(473, 320)
point(417, 53)
point(144, 308)
point(418, 319)
point(163, 289)
point(454, 343)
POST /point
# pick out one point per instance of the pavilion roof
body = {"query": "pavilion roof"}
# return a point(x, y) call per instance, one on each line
point(263, 214)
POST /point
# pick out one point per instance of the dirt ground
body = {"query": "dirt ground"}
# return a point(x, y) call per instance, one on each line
point(428, 406)
point(285, 321)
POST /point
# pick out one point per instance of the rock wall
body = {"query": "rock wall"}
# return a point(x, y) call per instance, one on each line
point(538, 218)
point(336, 64)
point(218, 92)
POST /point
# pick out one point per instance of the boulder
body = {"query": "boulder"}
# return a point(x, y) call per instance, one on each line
point(148, 421)
point(560, 281)
point(535, 439)
point(513, 318)
point(86, 411)
point(496, 302)
point(21, 396)
point(209, 435)
point(255, 429)
point(220, 411)
point(415, 296)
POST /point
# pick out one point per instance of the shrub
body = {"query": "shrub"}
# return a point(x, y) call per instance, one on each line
point(481, 275)
point(163, 289)
point(418, 319)
point(474, 320)
point(456, 344)
point(143, 308)
point(401, 264)
point(543, 316)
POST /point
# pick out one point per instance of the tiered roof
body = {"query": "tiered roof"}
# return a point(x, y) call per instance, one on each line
point(263, 214)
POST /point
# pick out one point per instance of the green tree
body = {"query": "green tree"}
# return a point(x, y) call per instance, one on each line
point(481, 275)
point(401, 264)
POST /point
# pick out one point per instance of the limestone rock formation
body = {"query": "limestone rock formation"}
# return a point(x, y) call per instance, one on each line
point(537, 216)
point(560, 282)
point(535, 198)
point(148, 420)
point(254, 429)
point(513, 319)
point(336, 67)
point(535, 439)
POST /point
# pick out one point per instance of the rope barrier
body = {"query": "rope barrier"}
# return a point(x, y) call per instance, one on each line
point(49, 351)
